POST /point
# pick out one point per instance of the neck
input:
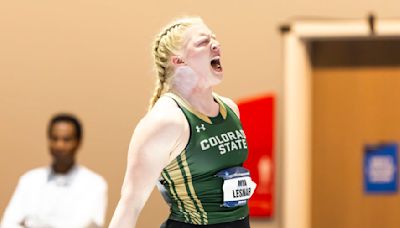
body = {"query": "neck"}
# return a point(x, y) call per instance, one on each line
point(62, 168)
point(200, 99)
point(195, 89)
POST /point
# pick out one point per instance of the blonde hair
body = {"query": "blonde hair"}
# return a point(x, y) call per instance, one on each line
point(166, 44)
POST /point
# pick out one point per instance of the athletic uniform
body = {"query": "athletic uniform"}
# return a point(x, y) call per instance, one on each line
point(195, 192)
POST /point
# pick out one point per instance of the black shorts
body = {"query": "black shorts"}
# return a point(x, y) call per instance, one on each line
point(244, 223)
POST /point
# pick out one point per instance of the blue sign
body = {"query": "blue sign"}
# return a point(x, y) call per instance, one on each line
point(381, 168)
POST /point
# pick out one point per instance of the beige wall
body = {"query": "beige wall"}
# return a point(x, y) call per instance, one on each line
point(92, 58)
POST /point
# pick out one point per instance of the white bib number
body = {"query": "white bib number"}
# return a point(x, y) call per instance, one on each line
point(238, 189)
point(238, 186)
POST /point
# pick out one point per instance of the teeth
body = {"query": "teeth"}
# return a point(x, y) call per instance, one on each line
point(215, 63)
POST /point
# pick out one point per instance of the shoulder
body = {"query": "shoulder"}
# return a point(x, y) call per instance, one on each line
point(163, 130)
point(166, 107)
point(35, 174)
point(91, 177)
point(231, 104)
point(34, 177)
point(163, 116)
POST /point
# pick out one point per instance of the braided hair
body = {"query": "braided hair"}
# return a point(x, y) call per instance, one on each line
point(168, 42)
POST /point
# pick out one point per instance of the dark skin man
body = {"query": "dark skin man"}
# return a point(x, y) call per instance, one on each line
point(63, 145)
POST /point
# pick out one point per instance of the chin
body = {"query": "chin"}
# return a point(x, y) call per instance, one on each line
point(216, 79)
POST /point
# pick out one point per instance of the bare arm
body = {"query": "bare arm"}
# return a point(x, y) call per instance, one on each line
point(158, 135)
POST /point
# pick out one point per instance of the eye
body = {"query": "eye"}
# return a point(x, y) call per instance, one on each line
point(53, 138)
point(68, 139)
point(204, 42)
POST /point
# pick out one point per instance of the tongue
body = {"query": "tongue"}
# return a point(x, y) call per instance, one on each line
point(216, 65)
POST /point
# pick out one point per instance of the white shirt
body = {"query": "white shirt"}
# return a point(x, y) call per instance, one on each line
point(48, 200)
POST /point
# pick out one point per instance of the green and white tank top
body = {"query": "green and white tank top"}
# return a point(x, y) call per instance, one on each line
point(215, 143)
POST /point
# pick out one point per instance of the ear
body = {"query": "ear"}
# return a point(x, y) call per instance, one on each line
point(177, 60)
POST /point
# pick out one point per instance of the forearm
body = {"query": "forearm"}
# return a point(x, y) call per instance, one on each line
point(126, 214)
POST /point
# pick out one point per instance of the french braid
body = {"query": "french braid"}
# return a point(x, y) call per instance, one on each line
point(165, 45)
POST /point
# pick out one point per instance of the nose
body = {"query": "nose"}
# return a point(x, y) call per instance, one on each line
point(59, 145)
point(215, 46)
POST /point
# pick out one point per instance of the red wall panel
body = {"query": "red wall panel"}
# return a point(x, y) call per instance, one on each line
point(257, 117)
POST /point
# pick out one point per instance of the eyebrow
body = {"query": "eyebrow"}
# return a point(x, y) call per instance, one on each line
point(208, 35)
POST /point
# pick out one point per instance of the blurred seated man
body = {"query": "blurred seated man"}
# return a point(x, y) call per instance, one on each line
point(63, 194)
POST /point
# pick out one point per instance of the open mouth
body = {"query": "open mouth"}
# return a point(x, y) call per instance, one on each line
point(216, 64)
